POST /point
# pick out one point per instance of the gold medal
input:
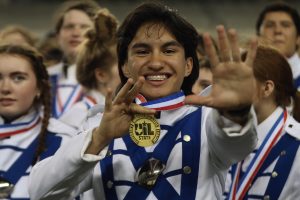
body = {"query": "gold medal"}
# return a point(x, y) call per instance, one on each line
point(144, 130)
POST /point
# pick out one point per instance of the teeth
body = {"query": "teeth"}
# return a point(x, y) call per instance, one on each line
point(156, 77)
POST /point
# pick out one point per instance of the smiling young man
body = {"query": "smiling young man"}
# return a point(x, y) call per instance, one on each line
point(279, 25)
point(161, 148)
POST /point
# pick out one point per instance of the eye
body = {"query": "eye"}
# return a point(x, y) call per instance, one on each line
point(85, 26)
point(269, 24)
point(141, 52)
point(170, 51)
point(68, 27)
point(18, 78)
point(286, 24)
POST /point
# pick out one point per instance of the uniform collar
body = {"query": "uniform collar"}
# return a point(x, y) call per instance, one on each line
point(294, 62)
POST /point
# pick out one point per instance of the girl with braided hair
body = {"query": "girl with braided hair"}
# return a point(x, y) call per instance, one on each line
point(24, 118)
point(96, 67)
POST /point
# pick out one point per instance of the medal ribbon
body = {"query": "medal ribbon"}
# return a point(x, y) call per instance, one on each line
point(89, 101)
point(72, 98)
point(239, 188)
point(171, 102)
point(14, 129)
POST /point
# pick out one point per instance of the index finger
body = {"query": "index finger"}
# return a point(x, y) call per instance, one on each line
point(120, 97)
point(210, 50)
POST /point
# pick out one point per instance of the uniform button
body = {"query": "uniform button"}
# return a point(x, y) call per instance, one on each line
point(109, 184)
point(187, 170)
point(187, 138)
point(109, 153)
point(283, 153)
point(267, 197)
point(274, 174)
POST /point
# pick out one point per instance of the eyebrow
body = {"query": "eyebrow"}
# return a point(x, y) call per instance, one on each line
point(19, 73)
point(167, 44)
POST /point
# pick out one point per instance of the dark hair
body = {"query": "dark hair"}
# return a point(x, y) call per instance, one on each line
point(43, 84)
point(89, 7)
point(276, 7)
point(99, 50)
point(183, 31)
point(270, 64)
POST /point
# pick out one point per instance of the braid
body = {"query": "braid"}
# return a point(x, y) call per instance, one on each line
point(46, 102)
point(41, 74)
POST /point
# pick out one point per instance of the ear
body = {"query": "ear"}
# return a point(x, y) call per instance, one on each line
point(101, 76)
point(125, 70)
point(188, 66)
point(38, 93)
point(269, 88)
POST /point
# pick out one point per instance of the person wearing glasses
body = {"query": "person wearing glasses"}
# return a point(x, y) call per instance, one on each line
point(271, 171)
point(26, 133)
point(154, 140)
point(279, 25)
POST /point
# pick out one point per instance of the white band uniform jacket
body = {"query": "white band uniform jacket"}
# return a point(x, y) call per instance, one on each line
point(273, 173)
point(78, 113)
point(19, 149)
point(213, 147)
point(294, 62)
point(65, 90)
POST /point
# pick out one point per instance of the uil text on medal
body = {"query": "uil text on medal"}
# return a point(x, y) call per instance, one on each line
point(144, 130)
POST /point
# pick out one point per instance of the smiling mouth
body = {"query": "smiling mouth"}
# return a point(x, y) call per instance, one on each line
point(157, 77)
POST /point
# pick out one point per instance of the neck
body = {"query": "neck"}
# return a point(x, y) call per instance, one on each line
point(102, 90)
point(264, 109)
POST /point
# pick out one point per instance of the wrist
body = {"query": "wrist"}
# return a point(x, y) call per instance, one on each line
point(98, 142)
point(239, 116)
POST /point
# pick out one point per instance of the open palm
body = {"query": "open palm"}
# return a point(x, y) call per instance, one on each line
point(233, 81)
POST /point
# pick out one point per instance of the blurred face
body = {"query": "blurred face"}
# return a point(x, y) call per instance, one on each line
point(203, 81)
point(71, 34)
point(279, 29)
point(18, 86)
point(155, 54)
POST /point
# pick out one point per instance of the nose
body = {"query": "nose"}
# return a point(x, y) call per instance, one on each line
point(5, 86)
point(156, 61)
point(77, 31)
point(278, 29)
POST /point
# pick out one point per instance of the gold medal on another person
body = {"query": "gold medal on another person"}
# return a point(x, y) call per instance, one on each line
point(144, 130)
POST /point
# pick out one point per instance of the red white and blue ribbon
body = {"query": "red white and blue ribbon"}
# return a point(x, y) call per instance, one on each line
point(171, 102)
point(74, 97)
point(89, 101)
point(239, 188)
point(7, 130)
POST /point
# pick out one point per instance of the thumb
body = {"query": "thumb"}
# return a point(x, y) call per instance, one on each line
point(198, 100)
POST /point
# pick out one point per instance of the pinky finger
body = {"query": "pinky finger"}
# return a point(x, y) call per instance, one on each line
point(252, 52)
point(137, 109)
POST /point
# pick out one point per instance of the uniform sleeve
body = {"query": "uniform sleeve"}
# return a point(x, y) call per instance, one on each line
point(229, 142)
point(66, 174)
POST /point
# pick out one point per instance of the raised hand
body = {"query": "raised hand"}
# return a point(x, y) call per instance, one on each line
point(117, 115)
point(233, 81)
